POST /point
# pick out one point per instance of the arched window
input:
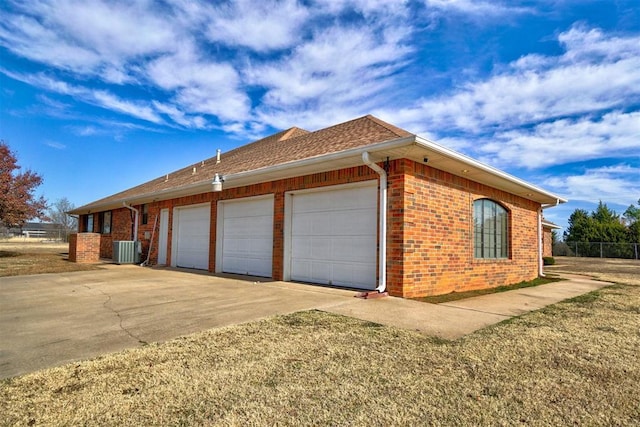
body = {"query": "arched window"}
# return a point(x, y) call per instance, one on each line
point(490, 230)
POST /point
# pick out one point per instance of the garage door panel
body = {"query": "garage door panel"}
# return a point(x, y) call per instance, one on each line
point(193, 231)
point(363, 275)
point(321, 248)
point(301, 247)
point(249, 225)
point(347, 223)
point(327, 201)
point(344, 224)
point(356, 249)
point(301, 268)
point(334, 237)
point(262, 246)
point(247, 208)
point(247, 237)
point(321, 272)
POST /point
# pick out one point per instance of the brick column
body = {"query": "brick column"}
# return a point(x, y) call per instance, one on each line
point(84, 247)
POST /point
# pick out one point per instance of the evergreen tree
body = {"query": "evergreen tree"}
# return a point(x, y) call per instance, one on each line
point(632, 219)
point(581, 227)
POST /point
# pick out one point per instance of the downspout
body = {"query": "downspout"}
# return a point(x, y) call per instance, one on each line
point(540, 261)
point(382, 255)
point(135, 224)
point(540, 248)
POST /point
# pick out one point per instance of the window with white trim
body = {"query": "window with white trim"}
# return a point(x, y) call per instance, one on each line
point(490, 229)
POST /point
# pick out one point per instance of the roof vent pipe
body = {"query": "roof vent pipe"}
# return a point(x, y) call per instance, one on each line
point(218, 151)
point(382, 255)
point(135, 224)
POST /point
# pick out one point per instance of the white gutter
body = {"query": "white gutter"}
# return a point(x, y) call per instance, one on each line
point(540, 249)
point(382, 255)
point(135, 224)
point(447, 152)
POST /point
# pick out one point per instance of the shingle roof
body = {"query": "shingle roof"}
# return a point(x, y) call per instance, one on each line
point(281, 148)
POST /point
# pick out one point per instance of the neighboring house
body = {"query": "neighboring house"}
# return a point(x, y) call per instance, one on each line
point(43, 230)
point(313, 207)
point(547, 239)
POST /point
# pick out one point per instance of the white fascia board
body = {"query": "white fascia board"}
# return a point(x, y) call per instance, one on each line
point(468, 161)
point(550, 225)
point(186, 190)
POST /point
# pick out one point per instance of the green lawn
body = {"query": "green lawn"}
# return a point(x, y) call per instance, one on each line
point(455, 296)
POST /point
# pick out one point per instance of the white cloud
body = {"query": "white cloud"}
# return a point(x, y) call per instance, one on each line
point(618, 184)
point(132, 108)
point(477, 8)
point(179, 116)
point(260, 26)
point(368, 8)
point(201, 86)
point(88, 37)
point(530, 96)
point(339, 70)
point(101, 98)
point(299, 55)
point(56, 145)
point(588, 44)
point(85, 130)
point(319, 62)
point(564, 141)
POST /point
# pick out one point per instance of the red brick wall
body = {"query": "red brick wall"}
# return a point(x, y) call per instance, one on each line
point(120, 230)
point(430, 237)
point(430, 228)
point(84, 247)
point(547, 242)
point(277, 188)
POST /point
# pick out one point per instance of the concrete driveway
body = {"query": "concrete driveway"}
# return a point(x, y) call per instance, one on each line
point(50, 319)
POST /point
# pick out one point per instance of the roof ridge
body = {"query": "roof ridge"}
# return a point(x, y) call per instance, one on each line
point(278, 136)
point(292, 144)
point(395, 129)
point(288, 133)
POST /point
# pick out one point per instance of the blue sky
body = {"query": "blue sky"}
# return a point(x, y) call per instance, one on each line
point(99, 96)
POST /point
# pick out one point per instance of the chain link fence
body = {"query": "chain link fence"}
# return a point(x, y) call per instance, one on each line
point(597, 249)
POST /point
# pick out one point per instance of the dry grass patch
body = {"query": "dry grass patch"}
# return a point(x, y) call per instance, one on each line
point(625, 271)
point(571, 363)
point(19, 258)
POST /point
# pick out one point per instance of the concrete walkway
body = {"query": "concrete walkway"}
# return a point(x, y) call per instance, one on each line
point(458, 318)
point(50, 319)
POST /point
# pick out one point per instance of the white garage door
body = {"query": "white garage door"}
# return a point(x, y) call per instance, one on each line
point(245, 237)
point(192, 237)
point(334, 236)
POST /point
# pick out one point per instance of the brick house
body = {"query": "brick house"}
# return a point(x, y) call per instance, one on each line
point(547, 239)
point(362, 204)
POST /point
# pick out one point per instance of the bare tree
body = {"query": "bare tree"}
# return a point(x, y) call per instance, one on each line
point(58, 214)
